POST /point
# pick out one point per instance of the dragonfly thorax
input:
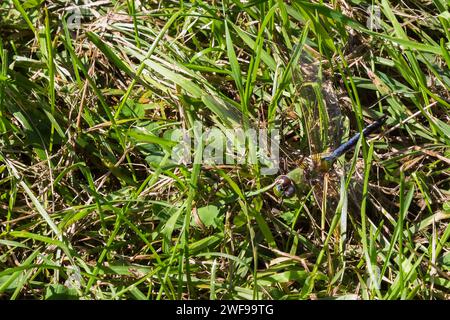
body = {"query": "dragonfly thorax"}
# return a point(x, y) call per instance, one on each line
point(326, 162)
point(317, 165)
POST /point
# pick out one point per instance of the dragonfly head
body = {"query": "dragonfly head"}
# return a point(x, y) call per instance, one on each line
point(284, 187)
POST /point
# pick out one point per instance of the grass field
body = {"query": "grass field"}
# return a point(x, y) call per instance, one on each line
point(94, 206)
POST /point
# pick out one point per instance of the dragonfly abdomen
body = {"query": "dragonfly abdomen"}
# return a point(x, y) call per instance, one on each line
point(343, 148)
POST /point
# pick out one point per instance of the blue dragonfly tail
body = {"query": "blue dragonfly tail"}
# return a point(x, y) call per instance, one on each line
point(343, 148)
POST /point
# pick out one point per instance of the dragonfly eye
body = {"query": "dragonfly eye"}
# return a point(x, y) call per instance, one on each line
point(283, 181)
point(284, 187)
point(289, 191)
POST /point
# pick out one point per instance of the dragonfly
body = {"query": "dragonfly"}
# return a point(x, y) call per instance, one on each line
point(319, 106)
point(287, 185)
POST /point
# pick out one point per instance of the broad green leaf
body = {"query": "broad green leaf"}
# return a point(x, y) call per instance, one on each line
point(445, 261)
point(209, 215)
point(60, 292)
point(287, 276)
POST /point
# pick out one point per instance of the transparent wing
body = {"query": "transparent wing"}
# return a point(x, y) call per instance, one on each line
point(319, 106)
point(323, 113)
point(318, 116)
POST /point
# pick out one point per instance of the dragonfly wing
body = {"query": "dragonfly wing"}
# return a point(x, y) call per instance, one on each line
point(317, 107)
point(323, 113)
point(335, 118)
